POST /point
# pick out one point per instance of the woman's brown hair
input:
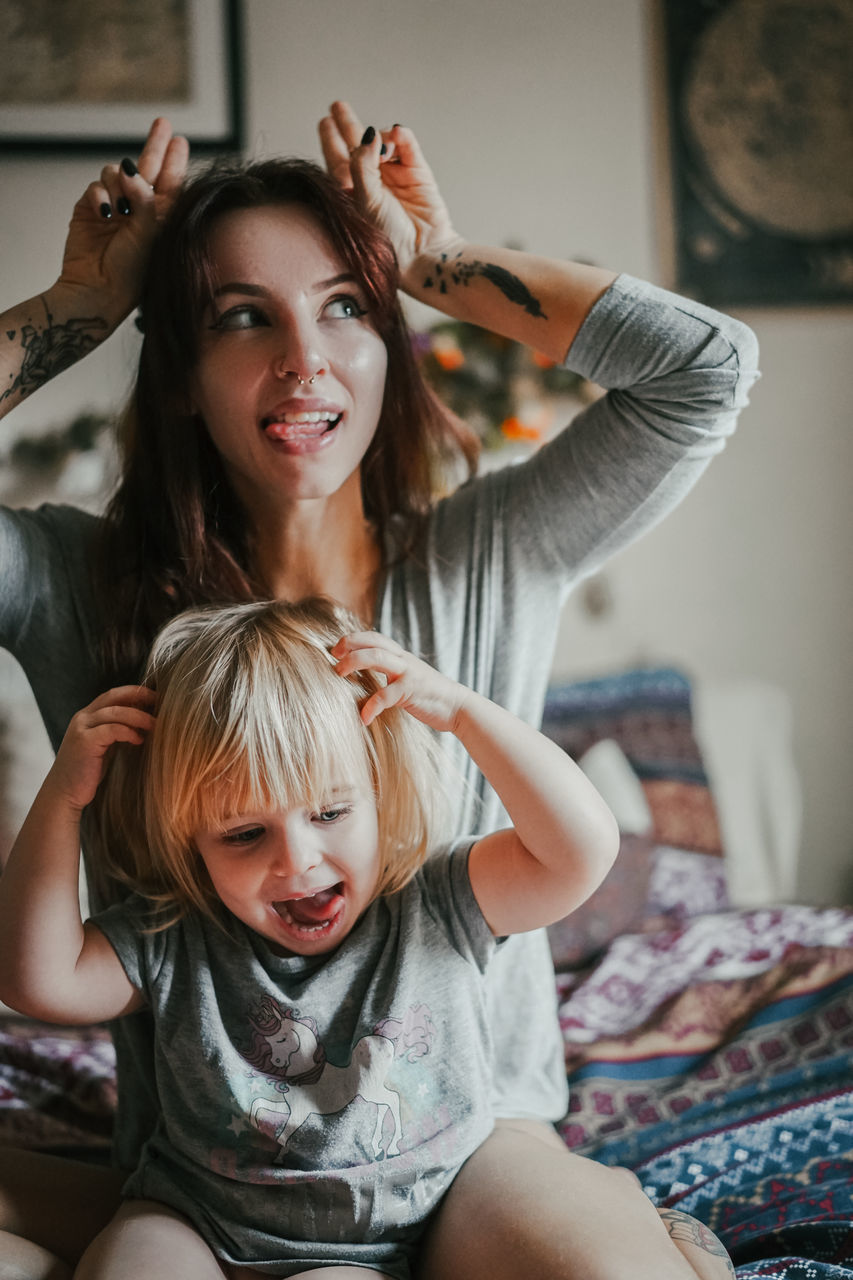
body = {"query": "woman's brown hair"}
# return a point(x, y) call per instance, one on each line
point(175, 535)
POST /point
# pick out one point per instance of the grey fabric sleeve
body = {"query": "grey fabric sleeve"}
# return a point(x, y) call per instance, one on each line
point(47, 613)
point(677, 375)
point(449, 898)
point(127, 927)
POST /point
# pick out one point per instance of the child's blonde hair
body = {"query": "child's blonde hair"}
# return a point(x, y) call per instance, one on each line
point(251, 716)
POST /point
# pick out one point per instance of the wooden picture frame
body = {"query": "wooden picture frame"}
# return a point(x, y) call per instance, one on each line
point(91, 77)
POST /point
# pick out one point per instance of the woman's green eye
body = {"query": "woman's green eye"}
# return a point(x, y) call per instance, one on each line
point(345, 308)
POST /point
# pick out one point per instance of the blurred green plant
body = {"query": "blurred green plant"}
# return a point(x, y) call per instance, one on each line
point(48, 452)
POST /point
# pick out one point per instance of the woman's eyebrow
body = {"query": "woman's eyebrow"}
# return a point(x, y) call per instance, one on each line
point(261, 291)
point(238, 286)
point(345, 277)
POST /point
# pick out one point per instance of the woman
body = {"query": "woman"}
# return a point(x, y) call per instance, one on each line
point(279, 443)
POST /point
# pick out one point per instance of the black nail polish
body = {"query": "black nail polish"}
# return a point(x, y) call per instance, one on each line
point(129, 167)
point(383, 150)
point(123, 205)
point(106, 211)
point(369, 135)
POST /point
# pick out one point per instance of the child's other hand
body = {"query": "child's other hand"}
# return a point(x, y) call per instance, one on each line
point(118, 715)
point(412, 684)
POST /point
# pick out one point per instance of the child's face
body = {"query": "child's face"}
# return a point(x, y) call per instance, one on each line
point(300, 877)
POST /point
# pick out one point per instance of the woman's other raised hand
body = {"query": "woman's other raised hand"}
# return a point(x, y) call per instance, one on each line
point(113, 225)
point(392, 182)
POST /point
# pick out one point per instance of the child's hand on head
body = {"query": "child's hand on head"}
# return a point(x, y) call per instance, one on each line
point(119, 715)
point(411, 684)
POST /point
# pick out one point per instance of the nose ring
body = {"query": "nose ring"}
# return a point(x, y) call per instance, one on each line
point(302, 381)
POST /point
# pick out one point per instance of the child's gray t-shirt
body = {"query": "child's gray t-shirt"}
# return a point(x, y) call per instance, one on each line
point(316, 1108)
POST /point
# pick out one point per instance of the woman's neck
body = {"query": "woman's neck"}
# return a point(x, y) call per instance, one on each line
point(322, 548)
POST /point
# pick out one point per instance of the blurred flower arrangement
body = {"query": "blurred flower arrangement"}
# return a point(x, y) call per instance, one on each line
point(501, 388)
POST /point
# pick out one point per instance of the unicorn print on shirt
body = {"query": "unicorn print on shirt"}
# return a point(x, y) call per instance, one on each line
point(286, 1044)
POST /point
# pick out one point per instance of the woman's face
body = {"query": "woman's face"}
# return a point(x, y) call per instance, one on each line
point(286, 308)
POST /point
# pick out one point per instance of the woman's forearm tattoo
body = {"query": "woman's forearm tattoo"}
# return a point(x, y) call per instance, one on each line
point(682, 1227)
point(47, 351)
point(450, 271)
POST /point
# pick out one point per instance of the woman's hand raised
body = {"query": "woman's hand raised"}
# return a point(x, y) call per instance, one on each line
point(113, 225)
point(109, 239)
point(392, 182)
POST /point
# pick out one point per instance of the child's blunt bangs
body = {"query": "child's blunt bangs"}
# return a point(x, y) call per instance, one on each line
point(252, 716)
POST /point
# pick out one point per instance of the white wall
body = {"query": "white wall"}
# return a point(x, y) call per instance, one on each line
point(538, 120)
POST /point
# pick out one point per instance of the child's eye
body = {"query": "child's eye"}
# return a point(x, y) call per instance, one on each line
point(244, 316)
point(246, 835)
point(326, 816)
point(345, 307)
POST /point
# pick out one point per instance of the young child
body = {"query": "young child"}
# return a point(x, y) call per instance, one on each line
point(322, 1047)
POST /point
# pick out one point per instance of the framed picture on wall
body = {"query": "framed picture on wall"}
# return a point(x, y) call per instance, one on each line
point(759, 117)
point(91, 77)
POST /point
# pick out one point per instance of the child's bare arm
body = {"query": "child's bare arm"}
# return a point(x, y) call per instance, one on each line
point(564, 838)
point(52, 966)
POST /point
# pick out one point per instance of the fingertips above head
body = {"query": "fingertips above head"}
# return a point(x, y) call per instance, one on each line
point(174, 164)
point(159, 130)
point(164, 157)
point(343, 125)
point(345, 117)
point(154, 147)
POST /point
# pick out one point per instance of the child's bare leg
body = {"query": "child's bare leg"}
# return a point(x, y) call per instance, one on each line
point(146, 1239)
point(20, 1259)
point(58, 1206)
point(524, 1205)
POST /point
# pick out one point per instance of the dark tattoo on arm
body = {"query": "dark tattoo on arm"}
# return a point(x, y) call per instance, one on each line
point(682, 1227)
point(447, 272)
point(49, 351)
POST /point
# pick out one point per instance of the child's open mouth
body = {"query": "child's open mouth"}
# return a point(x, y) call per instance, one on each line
point(314, 914)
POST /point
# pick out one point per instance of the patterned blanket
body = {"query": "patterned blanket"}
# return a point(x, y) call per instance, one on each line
point(713, 1059)
point(57, 1088)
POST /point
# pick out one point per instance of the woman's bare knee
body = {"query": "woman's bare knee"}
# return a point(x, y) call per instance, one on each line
point(524, 1205)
